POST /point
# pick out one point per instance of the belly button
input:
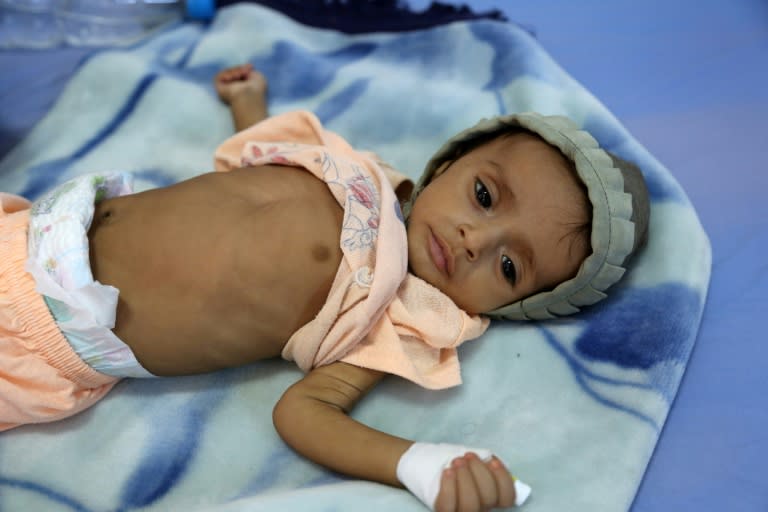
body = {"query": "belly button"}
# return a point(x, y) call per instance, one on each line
point(320, 253)
point(105, 216)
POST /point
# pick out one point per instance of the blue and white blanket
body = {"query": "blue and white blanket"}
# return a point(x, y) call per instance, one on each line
point(575, 406)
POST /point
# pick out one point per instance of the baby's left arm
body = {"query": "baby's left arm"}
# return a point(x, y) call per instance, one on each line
point(312, 417)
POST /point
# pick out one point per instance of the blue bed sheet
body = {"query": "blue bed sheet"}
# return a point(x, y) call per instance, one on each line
point(687, 80)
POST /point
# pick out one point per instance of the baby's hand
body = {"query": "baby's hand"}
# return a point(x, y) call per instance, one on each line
point(455, 478)
point(235, 81)
point(472, 485)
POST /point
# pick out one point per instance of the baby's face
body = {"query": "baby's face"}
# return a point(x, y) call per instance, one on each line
point(498, 224)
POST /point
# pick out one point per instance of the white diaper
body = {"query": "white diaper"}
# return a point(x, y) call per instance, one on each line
point(84, 309)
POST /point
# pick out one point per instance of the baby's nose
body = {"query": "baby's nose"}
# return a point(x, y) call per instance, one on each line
point(476, 240)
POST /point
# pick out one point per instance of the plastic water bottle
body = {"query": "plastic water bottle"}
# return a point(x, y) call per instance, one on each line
point(46, 23)
point(29, 24)
point(114, 22)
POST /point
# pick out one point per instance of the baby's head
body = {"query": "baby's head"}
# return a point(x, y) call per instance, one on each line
point(525, 217)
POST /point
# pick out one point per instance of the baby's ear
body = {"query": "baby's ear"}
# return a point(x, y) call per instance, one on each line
point(404, 190)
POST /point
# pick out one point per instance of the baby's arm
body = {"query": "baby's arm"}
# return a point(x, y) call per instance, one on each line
point(245, 91)
point(312, 417)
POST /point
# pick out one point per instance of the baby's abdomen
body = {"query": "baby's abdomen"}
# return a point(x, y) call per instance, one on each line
point(218, 271)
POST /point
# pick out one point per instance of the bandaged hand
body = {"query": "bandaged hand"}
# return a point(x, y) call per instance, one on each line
point(449, 477)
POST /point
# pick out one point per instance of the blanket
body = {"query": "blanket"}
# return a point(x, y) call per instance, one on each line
point(574, 406)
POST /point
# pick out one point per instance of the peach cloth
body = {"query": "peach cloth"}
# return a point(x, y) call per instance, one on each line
point(377, 315)
point(41, 378)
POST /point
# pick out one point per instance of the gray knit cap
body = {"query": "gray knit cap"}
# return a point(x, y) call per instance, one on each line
point(620, 211)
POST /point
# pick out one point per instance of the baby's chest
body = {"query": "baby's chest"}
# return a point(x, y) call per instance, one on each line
point(281, 252)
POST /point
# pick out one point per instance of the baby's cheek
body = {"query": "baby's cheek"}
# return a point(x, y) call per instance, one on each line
point(482, 294)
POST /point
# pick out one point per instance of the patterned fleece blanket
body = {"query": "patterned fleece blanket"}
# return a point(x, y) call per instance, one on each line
point(575, 406)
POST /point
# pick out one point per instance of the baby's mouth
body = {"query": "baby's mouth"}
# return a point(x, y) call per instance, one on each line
point(439, 254)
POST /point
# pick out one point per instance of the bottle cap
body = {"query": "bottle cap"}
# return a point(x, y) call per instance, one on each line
point(201, 9)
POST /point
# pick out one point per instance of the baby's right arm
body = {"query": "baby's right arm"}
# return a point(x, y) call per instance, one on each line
point(312, 417)
point(245, 91)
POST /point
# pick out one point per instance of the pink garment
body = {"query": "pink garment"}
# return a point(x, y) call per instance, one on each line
point(41, 378)
point(377, 315)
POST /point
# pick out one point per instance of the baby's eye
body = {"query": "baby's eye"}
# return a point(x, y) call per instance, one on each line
point(508, 269)
point(482, 195)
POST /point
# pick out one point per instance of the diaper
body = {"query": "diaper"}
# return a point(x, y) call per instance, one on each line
point(41, 378)
point(83, 308)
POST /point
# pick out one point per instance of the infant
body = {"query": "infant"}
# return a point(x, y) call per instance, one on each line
point(305, 248)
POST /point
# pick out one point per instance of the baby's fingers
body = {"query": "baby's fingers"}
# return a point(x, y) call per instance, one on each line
point(447, 498)
point(469, 495)
point(505, 483)
point(240, 72)
point(486, 483)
